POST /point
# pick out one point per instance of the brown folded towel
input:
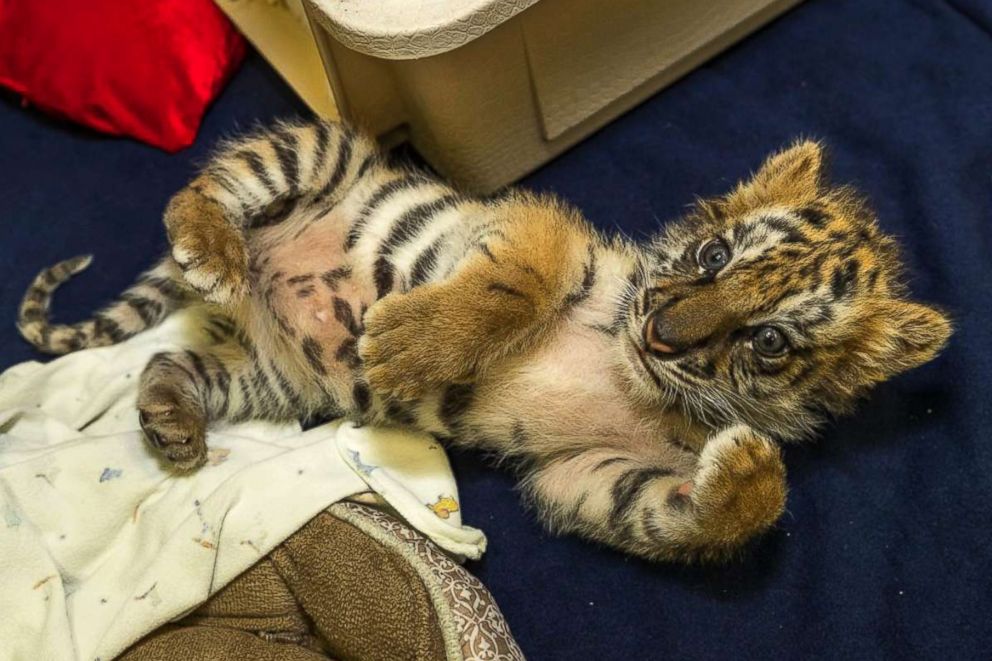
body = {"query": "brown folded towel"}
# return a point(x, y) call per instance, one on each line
point(353, 583)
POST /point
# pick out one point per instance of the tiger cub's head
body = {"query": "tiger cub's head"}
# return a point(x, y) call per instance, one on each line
point(775, 304)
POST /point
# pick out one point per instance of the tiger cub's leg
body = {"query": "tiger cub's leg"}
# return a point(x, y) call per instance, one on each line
point(650, 510)
point(172, 411)
point(181, 392)
point(512, 286)
point(243, 183)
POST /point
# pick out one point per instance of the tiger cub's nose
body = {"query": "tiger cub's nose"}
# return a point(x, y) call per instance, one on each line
point(659, 337)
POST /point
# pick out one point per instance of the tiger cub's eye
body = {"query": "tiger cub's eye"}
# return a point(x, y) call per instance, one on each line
point(714, 255)
point(769, 341)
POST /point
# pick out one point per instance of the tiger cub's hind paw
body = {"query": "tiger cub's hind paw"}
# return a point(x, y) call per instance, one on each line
point(176, 432)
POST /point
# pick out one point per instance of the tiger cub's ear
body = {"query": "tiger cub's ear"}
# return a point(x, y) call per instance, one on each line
point(790, 177)
point(900, 335)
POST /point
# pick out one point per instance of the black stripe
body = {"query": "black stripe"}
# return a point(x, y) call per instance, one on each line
point(257, 166)
point(742, 235)
point(792, 235)
point(223, 177)
point(679, 374)
point(585, 287)
point(32, 314)
point(609, 462)
point(320, 149)
point(262, 383)
point(527, 268)
point(691, 369)
point(362, 396)
point(200, 368)
point(628, 487)
point(52, 280)
point(335, 275)
point(386, 190)
point(771, 306)
point(383, 277)
point(504, 288)
point(36, 294)
point(313, 353)
point(817, 269)
point(366, 164)
point(247, 408)
point(347, 353)
point(456, 400)
point(150, 311)
point(413, 220)
point(166, 362)
point(344, 160)
point(246, 344)
point(399, 413)
point(223, 378)
point(424, 263)
point(76, 342)
point(344, 314)
point(286, 387)
point(613, 329)
point(652, 530)
point(286, 145)
point(165, 286)
point(484, 249)
point(274, 213)
point(872, 278)
point(108, 327)
point(224, 326)
point(845, 279)
point(814, 216)
point(636, 278)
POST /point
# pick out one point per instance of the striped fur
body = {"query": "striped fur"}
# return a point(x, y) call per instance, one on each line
point(154, 296)
point(624, 379)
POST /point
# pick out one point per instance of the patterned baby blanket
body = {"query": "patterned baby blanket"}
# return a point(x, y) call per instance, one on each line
point(100, 545)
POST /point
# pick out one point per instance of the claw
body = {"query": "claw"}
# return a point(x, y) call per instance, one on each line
point(151, 436)
point(154, 439)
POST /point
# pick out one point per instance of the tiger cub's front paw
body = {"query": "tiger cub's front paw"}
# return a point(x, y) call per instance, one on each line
point(410, 348)
point(175, 429)
point(213, 258)
point(738, 492)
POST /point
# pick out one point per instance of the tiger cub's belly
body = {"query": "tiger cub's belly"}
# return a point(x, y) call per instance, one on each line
point(309, 291)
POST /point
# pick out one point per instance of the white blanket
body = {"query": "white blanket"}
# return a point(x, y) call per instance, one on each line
point(100, 545)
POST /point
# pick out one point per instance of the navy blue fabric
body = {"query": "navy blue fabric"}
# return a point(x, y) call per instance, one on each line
point(884, 550)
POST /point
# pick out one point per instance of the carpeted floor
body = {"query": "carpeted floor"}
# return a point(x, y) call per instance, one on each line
point(884, 551)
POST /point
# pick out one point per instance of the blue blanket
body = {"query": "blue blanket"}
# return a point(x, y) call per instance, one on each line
point(884, 550)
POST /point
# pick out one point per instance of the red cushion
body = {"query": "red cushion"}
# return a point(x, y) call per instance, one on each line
point(143, 68)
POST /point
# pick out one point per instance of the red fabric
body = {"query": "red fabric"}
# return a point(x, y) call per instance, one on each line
point(143, 68)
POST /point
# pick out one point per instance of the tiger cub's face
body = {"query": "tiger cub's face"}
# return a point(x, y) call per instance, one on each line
point(774, 304)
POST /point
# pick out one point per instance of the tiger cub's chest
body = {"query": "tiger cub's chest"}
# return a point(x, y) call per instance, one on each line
point(572, 391)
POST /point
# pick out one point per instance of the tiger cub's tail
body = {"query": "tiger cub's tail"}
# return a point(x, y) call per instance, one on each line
point(151, 299)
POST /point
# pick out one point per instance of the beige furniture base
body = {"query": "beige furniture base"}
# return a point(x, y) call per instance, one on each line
point(488, 90)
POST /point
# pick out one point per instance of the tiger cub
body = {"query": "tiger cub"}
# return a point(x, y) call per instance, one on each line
point(641, 387)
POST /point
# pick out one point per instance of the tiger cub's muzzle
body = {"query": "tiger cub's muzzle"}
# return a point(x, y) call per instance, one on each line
point(686, 321)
